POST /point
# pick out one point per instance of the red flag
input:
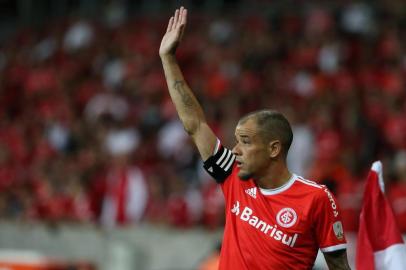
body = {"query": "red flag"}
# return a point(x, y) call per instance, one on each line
point(380, 244)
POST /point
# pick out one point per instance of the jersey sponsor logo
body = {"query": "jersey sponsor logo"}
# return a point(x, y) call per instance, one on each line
point(332, 202)
point(286, 217)
point(271, 230)
point(338, 230)
point(236, 208)
point(252, 192)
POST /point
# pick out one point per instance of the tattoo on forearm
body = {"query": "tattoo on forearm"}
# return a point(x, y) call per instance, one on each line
point(187, 99)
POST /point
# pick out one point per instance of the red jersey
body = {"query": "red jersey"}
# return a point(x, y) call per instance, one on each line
point(280, 228)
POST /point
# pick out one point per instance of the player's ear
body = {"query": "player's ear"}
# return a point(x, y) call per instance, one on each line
point(275, 148)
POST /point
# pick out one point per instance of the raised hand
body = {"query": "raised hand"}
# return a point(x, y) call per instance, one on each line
point(174, 33)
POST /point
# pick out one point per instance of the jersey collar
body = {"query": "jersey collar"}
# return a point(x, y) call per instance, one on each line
point(274, 191)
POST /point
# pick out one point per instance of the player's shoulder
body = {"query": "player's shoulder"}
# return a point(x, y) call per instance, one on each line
point(308, 184)
point(318, 191)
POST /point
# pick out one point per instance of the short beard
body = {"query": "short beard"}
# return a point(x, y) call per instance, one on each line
point(245, 176)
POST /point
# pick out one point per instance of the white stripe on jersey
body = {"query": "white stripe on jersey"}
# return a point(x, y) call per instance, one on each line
point(334, 248)
point(308, 182)
point(226, 159)
point(311, 182)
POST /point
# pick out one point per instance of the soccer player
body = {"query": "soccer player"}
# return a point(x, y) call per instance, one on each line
point(274, 219)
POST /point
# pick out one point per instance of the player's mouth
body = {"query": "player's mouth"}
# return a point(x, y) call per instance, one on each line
point(239, 163)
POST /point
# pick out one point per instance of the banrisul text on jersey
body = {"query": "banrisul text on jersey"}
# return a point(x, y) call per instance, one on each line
point(272, 231)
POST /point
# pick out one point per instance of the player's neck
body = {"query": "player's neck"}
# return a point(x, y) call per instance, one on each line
point(276, 176)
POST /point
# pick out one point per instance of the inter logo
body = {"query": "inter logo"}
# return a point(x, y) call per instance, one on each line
point(286, 217)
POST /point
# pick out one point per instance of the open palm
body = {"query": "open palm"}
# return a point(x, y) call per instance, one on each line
point(174, 32)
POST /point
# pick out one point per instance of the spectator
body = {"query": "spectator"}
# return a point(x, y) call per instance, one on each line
point(76, 95)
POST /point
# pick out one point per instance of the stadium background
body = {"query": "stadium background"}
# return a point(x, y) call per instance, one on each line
point(96, 170)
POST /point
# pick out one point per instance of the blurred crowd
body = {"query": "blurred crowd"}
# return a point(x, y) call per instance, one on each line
point(88, 132)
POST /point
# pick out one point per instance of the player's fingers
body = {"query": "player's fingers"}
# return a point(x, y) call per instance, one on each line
point(183, 23)
point(170, 24)
point(180, 16)
point(181, 30)
point(184, 16)
point(176, 19)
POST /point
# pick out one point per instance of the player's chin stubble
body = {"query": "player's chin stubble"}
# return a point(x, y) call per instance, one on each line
point(244, 176)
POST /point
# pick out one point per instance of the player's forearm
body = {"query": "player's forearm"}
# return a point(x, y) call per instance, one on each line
point(337, 260)
point(189, 110)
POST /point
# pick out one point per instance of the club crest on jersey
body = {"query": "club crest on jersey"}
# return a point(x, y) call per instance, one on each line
point(286, 217)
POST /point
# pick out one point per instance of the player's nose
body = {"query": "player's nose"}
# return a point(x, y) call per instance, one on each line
point(236, 150)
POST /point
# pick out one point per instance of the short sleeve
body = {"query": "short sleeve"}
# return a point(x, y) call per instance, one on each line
point(220, 164)
point(328, 224)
